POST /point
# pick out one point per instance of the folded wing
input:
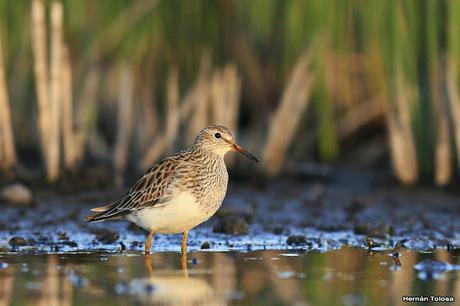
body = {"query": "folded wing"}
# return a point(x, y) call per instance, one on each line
point(151, 190)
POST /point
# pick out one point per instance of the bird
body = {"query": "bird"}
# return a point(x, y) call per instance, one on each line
point(179, 192)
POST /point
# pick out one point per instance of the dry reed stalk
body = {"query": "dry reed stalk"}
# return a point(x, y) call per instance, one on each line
point(443, 153)
point(200, 114)
point(172, 112)
point(165, 142)
point(68, 133)
point(195, 103)
point(361, 115)
point(86, 111)
point(38, 32)
point(454, 102)
point(217, 97)
point(402, 144)
point(55, 91)
point(233, 93)
point(124, 122)
point(287, 117)
point(225, 89)
point(147, 127)
point(7, 148)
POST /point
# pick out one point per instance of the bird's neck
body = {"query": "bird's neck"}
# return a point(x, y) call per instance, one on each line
point(207, 156)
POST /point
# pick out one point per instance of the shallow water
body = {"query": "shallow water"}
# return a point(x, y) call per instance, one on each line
point(349, 276)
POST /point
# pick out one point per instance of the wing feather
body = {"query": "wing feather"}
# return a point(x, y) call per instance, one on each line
point(153, 189)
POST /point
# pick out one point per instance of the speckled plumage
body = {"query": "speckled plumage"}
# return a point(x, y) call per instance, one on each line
point(180, 191)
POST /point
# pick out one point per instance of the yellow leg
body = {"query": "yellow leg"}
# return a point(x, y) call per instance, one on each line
point(184, 243)
point(148, 242)
point(184, 252)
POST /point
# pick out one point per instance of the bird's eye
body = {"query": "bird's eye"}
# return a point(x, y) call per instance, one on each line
point(217, 135)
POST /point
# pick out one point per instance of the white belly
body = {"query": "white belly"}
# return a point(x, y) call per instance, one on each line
point(176, 216)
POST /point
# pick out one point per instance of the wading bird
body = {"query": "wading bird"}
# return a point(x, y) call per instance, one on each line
point(179, 192)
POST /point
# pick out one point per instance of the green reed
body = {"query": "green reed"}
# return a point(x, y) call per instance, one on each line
point(396, 50)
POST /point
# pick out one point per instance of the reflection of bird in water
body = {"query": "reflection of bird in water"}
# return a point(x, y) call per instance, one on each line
point(179, 192)
point(173, 287)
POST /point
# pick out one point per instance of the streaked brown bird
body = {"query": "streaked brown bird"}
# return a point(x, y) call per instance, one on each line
point(179, 192)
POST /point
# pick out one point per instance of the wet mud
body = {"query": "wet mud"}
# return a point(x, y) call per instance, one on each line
point(281, 215)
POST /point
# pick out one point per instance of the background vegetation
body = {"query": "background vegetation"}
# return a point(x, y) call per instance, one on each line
point(125, 82)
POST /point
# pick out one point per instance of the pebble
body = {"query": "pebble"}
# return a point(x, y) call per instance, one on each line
point(205, 246)
point(17, 194)
point(106, 236)
point(18, 241)
point(296, 240)
point(232, 225)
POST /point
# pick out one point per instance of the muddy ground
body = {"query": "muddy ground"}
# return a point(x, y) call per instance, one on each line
point(322, 214)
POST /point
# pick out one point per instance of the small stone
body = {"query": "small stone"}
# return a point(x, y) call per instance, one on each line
point(71, 244)
point(371, 243)
point(278, 229)
point(16, 194)
point(296, 240)
point(361, 229)
point(232, 225)
point(205, 246)
point(106, 237)
point(63, 236)
point(136, 244)
point(18, 241)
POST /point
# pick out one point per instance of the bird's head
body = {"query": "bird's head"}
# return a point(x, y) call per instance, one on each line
point(219, 140)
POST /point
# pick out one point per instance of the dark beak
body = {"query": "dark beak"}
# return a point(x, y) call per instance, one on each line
point(244, 152)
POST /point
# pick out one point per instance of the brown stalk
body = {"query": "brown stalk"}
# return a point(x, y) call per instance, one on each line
point(86, 110)
point(224, 94)
point(146, 127)
point(361, 115)
point(7, 147)
point(454, 102)
point(402, 144)
point(225, 88)
point(124, 122)
point(172, 113)
point(287, 117)
point(443, 153)
point(233, 82)
point(200, 99)
point(38, 33)
point(217, 97)
point(165, 142)
point(197, 94)
point(68, 132)
point(55, 91)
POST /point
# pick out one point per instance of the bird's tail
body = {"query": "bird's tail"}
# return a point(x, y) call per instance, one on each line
point(102, 213)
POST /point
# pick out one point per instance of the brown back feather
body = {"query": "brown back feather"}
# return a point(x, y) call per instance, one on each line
point(152, 189)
